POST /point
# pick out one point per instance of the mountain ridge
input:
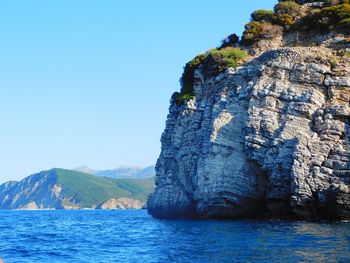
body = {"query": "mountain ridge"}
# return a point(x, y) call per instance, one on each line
point(66, 189)
point(121, 171)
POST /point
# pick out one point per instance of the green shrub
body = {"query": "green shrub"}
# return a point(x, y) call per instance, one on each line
point(181, 98)
point(286, 12)
point(187, 78)
point(325, 2)
point(307, 22)
point(252, 32)
point(212, 63)
point(262, 16)
point(327, 19)
point(301, 2)
point(229, 41)
point(344, 25)
point(287, 8)
point(332, 16)
point(284, 15)
point(285, 20)
point(255, 31)
point(219, 60)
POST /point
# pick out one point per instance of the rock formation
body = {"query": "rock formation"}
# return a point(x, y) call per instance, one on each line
point(269, 139)
point(121, 203)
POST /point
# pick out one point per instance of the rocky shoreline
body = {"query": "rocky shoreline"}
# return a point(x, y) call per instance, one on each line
point(122, 203)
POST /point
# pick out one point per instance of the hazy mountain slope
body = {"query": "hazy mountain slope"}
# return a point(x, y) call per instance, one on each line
point(121, 172)
point(64, 189)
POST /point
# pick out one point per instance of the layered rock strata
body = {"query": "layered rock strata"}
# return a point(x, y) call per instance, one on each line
point(268, 139)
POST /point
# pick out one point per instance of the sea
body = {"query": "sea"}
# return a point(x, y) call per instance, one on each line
point(134, 236)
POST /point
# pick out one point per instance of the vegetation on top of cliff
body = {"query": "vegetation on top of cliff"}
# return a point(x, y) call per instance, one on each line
point(287, 16)
point(230, 41)
point(287, 8)
point(334, 17)
point(263, 15)
point(187, 78)
point(255, 31)
point(326, 2)
point(267, 24)
point(217, 60)
point(211, 63)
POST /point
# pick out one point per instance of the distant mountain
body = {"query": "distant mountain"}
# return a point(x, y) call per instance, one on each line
point(121, 172)
point(85, 169)
point(67, 189)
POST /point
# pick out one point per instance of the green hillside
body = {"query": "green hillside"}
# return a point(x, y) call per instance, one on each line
point(88, 190)
point(139, 188)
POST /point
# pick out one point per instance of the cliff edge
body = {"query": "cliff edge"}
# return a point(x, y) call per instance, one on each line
point(269, 138)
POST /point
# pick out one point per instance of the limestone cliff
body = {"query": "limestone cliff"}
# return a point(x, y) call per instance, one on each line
point(269, 139)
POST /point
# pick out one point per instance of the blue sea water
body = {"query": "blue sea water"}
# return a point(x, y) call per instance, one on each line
point(134, 236)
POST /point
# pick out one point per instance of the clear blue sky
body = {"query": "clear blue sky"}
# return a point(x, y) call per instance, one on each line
point(87, 82)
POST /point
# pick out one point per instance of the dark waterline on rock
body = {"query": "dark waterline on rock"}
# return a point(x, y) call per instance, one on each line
point(134, 236)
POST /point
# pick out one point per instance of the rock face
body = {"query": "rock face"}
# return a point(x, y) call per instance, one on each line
point(121, 203)
point(268, 139)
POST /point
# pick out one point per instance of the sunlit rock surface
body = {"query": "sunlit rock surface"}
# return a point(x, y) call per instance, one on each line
point(268, 139)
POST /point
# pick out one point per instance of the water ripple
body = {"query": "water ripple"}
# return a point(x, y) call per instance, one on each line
point(133, 236)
